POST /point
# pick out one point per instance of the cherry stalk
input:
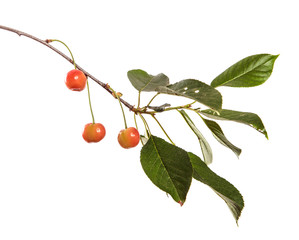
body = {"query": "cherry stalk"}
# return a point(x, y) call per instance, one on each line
point(106, 86)
point(46, 43)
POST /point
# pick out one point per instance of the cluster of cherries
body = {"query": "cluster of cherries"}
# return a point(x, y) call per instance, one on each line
point(95, 132)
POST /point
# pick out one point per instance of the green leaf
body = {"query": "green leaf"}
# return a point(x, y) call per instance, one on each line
point(222, 187)
point(143, 81)
point(247, 118)
point(168, 167)
point(219, 135)
point(205, 146)
point(159, 108)
point(195, 90)
point(249, 72)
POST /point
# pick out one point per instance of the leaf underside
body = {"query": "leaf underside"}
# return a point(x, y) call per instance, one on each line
point(196, 90)
point(222, 187)
point(205, 146)
point(143, 81)
point(220, 137)
point(250, 119)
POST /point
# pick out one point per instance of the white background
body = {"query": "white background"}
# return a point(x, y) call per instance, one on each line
point(53, 185)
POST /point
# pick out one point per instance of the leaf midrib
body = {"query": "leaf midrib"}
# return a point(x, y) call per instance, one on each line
point(166, 169)
point(147, 83)
point(243, 73)
point(151, 78)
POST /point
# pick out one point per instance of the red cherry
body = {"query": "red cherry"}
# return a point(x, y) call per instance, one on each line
point(75, 80)
point(129, 137)
point(93, 132)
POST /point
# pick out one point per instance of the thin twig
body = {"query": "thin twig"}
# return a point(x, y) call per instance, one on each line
point(46, 43)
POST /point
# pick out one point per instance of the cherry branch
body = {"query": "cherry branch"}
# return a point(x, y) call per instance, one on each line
point(138, 110)
point(46, 43)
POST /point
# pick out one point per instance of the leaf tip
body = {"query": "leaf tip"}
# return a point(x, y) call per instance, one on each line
point(181, 203)
point(238, 153)
point(265, 133)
